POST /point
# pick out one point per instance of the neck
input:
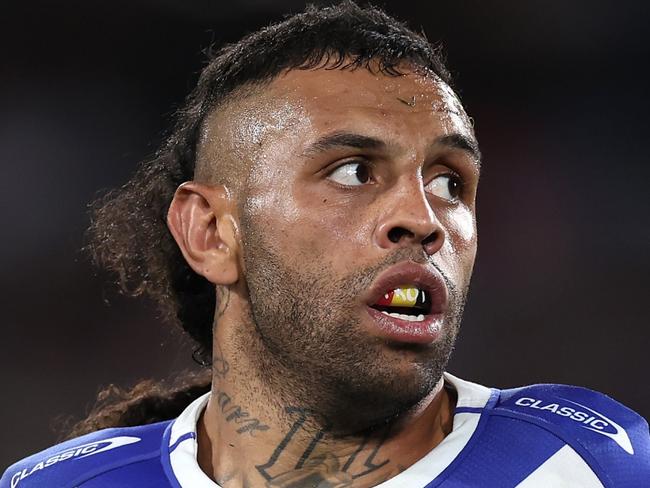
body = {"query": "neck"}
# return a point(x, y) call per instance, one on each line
point(250, 435)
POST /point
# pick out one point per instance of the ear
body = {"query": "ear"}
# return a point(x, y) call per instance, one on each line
point(201, 220)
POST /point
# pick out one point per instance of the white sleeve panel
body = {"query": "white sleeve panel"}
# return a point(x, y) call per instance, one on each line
point(564, 469)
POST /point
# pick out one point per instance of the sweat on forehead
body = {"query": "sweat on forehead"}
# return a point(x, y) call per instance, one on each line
point(299, 102)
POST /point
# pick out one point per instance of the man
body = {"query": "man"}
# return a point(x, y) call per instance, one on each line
point(311, 224)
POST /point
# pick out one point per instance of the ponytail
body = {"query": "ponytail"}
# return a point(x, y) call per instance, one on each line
point(146, 403)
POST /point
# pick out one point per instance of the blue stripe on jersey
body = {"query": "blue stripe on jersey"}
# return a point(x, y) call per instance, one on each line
point(184, 437)
point(164, 458)
point(503, 453)
point(468, 410)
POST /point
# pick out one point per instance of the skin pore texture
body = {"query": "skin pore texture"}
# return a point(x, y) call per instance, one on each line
point(306, 190)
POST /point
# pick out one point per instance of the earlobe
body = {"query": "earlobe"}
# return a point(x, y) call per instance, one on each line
point(201, 221)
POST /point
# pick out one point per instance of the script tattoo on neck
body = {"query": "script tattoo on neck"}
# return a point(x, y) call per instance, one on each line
point(238, 415)
point(232, 411)
point(323, 470)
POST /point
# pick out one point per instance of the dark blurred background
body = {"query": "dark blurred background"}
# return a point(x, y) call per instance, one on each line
point(559, 91)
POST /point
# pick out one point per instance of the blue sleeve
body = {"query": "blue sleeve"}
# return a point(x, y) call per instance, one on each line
point(90, 458)
point(610, 437)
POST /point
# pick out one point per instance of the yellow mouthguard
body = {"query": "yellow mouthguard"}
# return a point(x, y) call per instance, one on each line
point(405, 297)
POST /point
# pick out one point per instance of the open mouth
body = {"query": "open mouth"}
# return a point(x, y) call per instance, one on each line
point(407, 302)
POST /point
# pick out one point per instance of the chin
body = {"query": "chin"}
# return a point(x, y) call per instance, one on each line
point(377, 393)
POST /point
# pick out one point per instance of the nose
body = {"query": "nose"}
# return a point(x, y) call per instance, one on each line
point(409, 220)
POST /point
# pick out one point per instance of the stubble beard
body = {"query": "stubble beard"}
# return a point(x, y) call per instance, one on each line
point(310, 349)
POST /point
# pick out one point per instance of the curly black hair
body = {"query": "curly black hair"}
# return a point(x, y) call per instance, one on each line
point(128, 234)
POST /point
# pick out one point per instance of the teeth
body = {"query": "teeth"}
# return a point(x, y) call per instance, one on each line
point(409, 318)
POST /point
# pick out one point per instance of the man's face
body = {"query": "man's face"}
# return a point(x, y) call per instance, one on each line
point(353, 176)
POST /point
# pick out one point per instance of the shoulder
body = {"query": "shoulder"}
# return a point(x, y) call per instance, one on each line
point(613, 439)
point(78, 460)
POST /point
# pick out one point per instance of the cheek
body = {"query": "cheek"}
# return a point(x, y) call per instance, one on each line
point(460, 243)
point(336, 233)
point(328, 229)
point(465, 226)
point(301, 223)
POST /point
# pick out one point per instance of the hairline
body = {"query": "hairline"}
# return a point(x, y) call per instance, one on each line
point(253, 88)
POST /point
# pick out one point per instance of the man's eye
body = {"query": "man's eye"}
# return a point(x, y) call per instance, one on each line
point(351, 174)
point(446, 186)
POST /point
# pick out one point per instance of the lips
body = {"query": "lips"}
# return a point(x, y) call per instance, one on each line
point(421, 319)
point(424, 278)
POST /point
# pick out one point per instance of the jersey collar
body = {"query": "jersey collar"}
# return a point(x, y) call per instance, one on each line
point(181, 447)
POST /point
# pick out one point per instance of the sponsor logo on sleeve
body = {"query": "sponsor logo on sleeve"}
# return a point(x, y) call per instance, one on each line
point(76, 452)
point(584, 416)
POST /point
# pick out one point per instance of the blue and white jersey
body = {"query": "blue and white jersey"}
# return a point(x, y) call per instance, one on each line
point(538, 436)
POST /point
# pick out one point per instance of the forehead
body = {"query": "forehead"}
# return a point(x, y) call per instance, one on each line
point(299, 106)
point(337, 89)
point(324, 96)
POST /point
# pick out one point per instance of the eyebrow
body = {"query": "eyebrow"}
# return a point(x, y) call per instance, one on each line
point(459, 141)
point(341, 139)
point(344, 139)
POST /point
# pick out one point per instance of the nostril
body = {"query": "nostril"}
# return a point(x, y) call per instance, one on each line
point(430, 238)
point(396, 233)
